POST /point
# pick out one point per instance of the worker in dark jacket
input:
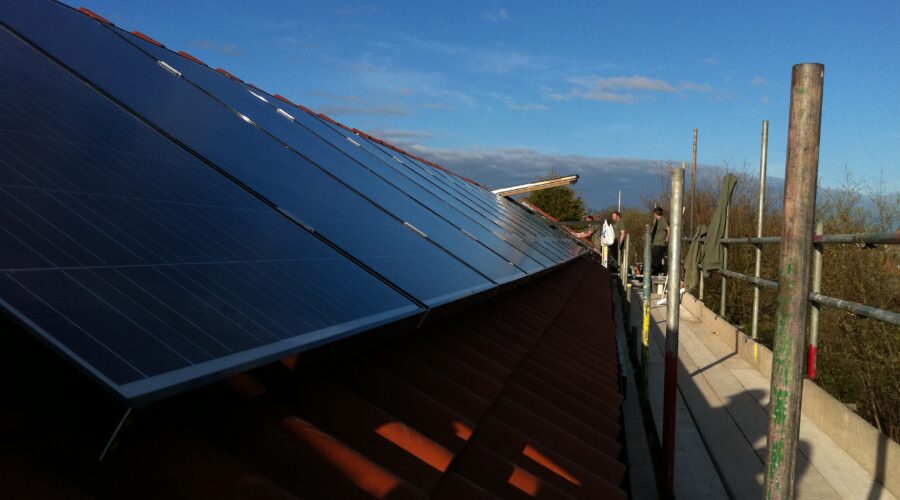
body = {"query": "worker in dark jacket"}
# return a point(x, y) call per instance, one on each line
point(659, 241)
point(591, 232)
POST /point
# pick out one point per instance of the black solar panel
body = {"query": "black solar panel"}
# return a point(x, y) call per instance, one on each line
point(514, 213)
point(344, 160)
point(363, 229)
point(528, 231)
point(425, 177)
point(140, 262)
point(162, 224)
point(396, 173)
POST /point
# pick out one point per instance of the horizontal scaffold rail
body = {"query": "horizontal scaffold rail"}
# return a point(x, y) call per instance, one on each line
point(853, 307)
point(825, 239)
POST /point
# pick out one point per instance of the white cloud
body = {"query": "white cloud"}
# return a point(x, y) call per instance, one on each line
point(356, 9)
point(437, 106)
point(697, 87)
point(384, 78)
point(402, 138)
point(336, 97)
point(501, 62)
point(606, 96)
point(497, 15)
point(518, 106)
point(402, 134)
point(600, 178)
point(363, 110)
point(484, 59)
point(227, 48)
point(528, 106)
point(616, 83)
point(297, 42)
point(712, 61)
point(758, 81)
point(624, 89)
point(526, 163)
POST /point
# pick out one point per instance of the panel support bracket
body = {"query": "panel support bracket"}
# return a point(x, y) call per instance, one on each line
point(115, 435)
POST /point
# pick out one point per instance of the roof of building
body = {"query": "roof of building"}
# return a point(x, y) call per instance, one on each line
point(189, 228)
point(492, 372)
point(517, 397)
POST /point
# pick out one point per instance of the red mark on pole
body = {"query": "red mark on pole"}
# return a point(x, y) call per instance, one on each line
point(811, 362)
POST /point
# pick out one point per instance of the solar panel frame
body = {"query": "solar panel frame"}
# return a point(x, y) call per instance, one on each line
point(345, 160)
point(510, 233)
point(463, 190)
point(120, 286)
point(219, 135)
point(80, 281)
point(467, 221)
point(511, 209)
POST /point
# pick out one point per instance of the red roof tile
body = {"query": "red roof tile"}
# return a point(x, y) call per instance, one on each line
point(229, 75)
point(516, 397)
point(94, 15)
point(190, 57)
point(146, 38)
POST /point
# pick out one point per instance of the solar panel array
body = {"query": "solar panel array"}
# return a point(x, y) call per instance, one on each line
point(163, 223)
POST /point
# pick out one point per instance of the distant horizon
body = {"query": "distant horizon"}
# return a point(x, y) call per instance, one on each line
point(638, 180)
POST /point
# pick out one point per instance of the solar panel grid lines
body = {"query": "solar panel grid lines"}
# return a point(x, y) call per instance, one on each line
point(489, 200)
point(571, 246)
point(367, 142)
point(343, 161)
point(384, 167)
point(516, 231)
point(474, 196)
point(257, 195)
point(464, 189)
point(141, 264)
point(419, 173)
point(383, 147)
point(435, 188)
point(507, 232)
point(517, 212)
point(208, 128)
point(163, 223)
point(571, 251)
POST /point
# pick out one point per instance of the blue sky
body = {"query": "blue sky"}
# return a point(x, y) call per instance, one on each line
point(503, 91)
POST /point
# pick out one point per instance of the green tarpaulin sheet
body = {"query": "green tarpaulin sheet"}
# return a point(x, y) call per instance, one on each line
point(692, 260)
point(713, 251)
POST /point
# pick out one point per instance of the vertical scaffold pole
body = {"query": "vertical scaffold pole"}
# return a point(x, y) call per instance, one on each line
point(623, 258)
point(673, 303)
point(792, 316)
point(623, 274)
point(702, 285)
point(763, 156)
point(818, 255)
point(693, 182)
point(648, 285)
point(724, 263)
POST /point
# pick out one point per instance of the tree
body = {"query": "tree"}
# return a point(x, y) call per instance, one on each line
point(859, 358)
point(561, 202)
